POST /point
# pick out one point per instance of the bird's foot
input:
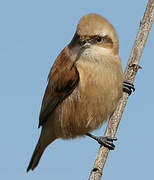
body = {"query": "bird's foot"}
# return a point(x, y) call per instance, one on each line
point(104, 140)
point(128, 87)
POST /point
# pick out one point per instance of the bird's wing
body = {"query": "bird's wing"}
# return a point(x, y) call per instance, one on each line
point(63, 79)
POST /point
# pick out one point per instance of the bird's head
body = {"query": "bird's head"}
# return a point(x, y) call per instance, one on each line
point(95, 33)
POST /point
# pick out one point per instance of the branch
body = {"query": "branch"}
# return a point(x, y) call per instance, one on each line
point(130, 73)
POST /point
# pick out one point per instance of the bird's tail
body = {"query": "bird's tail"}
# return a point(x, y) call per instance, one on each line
point(39, 149)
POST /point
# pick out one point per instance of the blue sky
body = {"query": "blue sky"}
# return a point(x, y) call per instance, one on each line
point(32, 33)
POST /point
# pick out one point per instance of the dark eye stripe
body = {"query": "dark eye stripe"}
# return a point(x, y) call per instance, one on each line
point(107, 39)
point(98, 38)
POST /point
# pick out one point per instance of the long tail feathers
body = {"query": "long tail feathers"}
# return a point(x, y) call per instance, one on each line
point(36, 156)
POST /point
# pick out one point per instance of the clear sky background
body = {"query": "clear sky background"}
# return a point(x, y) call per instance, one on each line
point(32, 34)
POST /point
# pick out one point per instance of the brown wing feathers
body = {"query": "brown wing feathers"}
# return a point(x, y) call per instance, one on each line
point(63, 78)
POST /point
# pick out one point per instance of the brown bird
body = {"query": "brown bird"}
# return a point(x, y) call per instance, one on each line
point(84, 86)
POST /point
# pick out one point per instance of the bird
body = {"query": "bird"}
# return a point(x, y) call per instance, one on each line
point(84, 86)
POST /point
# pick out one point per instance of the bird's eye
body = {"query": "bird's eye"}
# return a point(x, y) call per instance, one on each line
point(98, 38)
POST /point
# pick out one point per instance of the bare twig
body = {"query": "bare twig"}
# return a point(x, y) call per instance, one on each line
point(130, 73)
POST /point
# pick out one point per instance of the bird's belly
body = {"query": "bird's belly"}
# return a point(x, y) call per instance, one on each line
point(89, 106)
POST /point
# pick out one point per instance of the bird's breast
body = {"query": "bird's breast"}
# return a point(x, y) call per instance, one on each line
point(93, 100)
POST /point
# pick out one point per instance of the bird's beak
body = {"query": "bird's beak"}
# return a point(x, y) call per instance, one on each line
point(85, 43)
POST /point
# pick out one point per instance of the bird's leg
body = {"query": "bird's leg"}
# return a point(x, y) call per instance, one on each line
point(128, 87)
point(104, 140)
